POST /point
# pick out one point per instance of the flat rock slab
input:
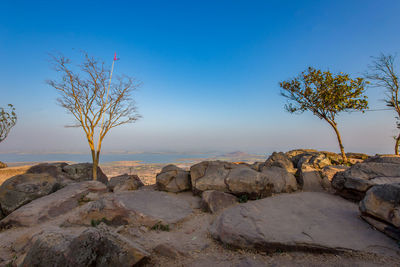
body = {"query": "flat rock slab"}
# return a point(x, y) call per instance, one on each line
point(306, 221)
point(141, 207)
point(53, 205)
point(158, 205)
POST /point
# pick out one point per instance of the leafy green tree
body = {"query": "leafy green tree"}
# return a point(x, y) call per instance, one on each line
point(325, 95)
point(382, 74)
point(8, 119)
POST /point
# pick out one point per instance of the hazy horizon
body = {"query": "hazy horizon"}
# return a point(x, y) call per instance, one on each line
point(210, 71)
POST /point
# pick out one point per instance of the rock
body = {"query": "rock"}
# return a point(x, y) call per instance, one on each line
point(2, 165)
point(361, 156)
point(136, 208)
point(84, 172)
point(278, 180)
point(53, 169)
point(257, 166)
point(310, 179)
point(53, 205)
point(214, 201)
point(304, 221)
point(240, 179)
point(173, 179)
point(389, 230)
point(92, 247)
point(22, 189)
point(124, 182)
point(355, 181)
point(383, 202)
point(280, 160)
point(329, 171)
point(168, 250)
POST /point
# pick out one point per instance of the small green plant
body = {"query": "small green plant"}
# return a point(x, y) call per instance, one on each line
point(95, 223)
point(83, 200)
point(243, 199)
point(160, 227)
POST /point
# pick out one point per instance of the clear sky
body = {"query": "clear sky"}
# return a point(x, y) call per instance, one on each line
point(210, 70)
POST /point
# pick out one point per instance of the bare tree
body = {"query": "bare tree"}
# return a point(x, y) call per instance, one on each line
point(84, 93)
point(8, 119)
point(325, 95)
point(382, 74)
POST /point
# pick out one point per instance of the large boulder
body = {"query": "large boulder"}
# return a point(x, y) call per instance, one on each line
point(125, 182)
point(173, 179)
point(54, 169)
point(304, 221)
point(241, 179)
point(22, 189)
point(53, 205)
point(214, 201)
point(136, 208)
point(382, 204)
point(279, 159)
point(355, 181)
point(2, 165)
point(84, 172)
point(92, 247)
point(310, 179)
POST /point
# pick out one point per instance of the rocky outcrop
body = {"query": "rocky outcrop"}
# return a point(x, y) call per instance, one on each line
point(214, 201)
point(381, 208)
point(279, 159)
point(84, 172)
point(173, 179)
point(136, 208)
point(241, 179)
point(2, 165)
point(53, 205)
point(22, 189)
point(53, 169)
point(355, 181)
point(124, 182)
point(92, 247)
point(304, 221)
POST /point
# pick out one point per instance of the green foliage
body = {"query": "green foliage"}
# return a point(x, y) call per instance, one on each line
point(8, 119)
point(95, 223)
point(83, 200)
point(160, 227)
point(324, 94)
point(243, 198)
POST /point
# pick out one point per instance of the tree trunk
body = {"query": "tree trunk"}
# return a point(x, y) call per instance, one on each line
point(333, 124)
point(95, 164)
point(396, 148)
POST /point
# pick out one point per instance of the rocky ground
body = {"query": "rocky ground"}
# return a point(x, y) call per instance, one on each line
point(300, 208)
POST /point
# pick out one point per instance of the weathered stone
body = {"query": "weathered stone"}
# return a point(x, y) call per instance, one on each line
point(280, 159)
point(329, 171)
point(355, 181)
point(168, 250)
point(241, 179)
point(389, 230)
point(2, 165)
point(173, 179)
point(383, 202)
point(278, 180)
point(22, 189)
point(53, 169)
point(92, 247)
point(214, 201)
point(140, 207)
point(124, 182)
point(310, 179)
point(305, 221)
point(53, 205)
point(84, 172)
point(361, 156)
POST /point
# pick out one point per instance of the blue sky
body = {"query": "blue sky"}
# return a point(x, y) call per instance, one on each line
point(210, 70)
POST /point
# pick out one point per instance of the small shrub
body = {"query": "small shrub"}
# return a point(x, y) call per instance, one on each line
point(243, 199)
point(160, 227)
point(95, 223)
